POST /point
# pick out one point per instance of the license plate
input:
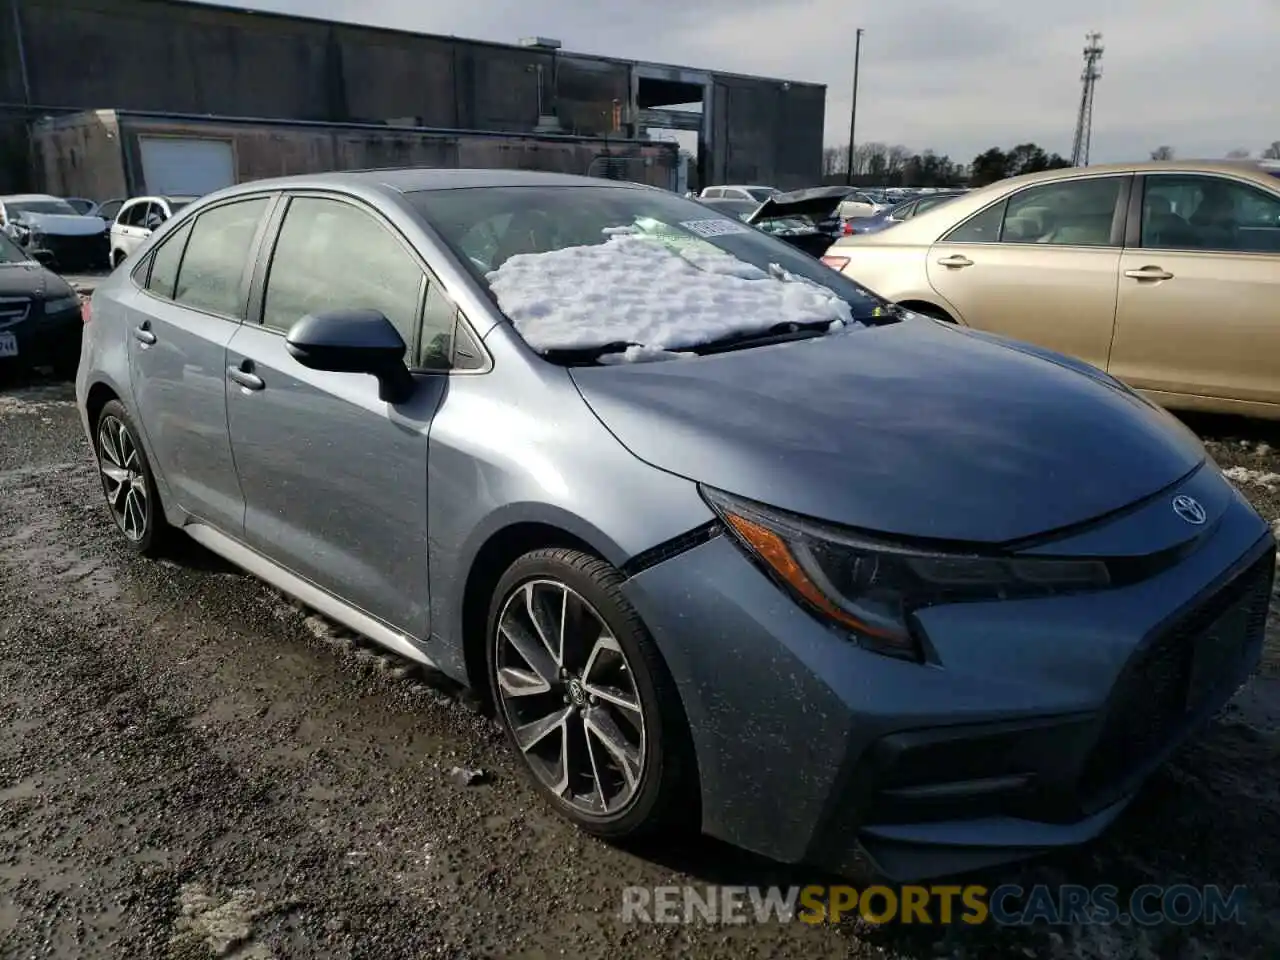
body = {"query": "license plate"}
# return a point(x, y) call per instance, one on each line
point(1217, 654)
point(8, 345)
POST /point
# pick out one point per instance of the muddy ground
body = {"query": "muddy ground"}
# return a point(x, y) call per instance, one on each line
point(192, 767)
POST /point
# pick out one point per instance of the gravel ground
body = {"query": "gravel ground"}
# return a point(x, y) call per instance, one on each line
point(191, 766)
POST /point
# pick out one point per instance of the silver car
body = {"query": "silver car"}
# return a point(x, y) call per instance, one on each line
point(726, 540)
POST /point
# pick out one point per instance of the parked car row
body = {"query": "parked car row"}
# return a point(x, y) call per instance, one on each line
point(73, 234)
point(728, 540)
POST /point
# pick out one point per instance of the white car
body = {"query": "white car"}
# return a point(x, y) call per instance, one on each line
point(739, 191)
point(137, 219)
point(856, 206)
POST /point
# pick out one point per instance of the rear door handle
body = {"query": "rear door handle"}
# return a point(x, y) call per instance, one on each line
point(956, 260)
point(1149, 273)
point(142, 333)
point(250, 381)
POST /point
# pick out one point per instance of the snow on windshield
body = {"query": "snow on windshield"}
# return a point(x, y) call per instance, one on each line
point(660, 294)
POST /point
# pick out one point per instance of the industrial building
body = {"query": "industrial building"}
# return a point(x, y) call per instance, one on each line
point(105, 97)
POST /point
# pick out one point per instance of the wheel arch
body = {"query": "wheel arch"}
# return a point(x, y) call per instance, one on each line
point(498, 551)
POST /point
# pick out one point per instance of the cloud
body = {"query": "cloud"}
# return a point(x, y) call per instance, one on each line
point(957, 77)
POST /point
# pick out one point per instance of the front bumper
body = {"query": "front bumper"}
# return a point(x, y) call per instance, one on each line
point(46, 339)
point(70, 253)
point(1032, 730)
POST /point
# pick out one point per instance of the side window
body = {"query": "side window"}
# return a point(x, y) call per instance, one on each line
point(212, 274)
point(907, 212)
point(1209, 213)
point(132, 215)
point(165, 261)
point(982, 227)
point(332, 255)
point(714, 193)
point(439, 323)
point(154, 217)
point(1075, 213)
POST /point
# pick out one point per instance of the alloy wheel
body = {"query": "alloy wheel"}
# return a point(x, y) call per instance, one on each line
point(123, 479)
point(570, 698)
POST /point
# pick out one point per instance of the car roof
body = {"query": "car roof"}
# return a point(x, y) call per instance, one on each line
point(1151, 166)
point(412, 179)
point(27, 197)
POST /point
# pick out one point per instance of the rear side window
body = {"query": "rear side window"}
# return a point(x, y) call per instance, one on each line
point(332, 255)
point(983, 227)
point(165, 262)
point(211, 277)
point(1075, 213)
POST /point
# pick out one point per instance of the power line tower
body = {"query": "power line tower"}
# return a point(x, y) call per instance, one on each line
point(1084, 121)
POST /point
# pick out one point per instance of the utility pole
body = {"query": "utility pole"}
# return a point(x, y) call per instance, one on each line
point(1084, 119)
point(853, 110)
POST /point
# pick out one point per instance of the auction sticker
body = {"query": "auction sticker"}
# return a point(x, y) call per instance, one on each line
point(715, 228)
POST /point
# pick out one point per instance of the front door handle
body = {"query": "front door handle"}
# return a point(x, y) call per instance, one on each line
point(246, 379)
point(956, 260)
point(1149, 273)
point(142, 333)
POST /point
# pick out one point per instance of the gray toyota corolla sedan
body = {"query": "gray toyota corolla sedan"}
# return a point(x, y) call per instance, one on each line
point(728, 540)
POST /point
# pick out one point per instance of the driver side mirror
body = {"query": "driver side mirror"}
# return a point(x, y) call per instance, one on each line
point(354, 341)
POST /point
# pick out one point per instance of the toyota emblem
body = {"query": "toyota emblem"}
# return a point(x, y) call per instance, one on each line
point(1189, 509)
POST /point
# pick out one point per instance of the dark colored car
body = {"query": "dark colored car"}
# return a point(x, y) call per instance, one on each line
point(40, 318)
point(806, 219)
point(895, 215)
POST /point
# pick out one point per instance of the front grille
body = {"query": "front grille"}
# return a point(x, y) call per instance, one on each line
point(13, 310)
point(1149, 706)
point(75, 253)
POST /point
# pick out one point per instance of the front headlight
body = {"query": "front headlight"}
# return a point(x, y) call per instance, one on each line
point(871, 588)
point(59, 304)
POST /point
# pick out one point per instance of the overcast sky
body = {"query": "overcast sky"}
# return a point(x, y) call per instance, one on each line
point(955, 76)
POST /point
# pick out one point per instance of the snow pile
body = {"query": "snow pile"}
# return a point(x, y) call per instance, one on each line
point(661, 297)
point(1268, 481)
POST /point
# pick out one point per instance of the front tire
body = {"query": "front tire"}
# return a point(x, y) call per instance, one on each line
point(127, 482)
point(585, 698)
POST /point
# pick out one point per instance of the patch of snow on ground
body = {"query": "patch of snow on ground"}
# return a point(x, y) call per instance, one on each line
point(638, 290)
point(1269, 481)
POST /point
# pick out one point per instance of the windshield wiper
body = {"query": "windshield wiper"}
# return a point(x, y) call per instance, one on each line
point(778, 333)
point(580, 355)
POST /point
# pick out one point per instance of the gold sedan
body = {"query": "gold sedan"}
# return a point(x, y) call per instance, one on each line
point(1166, 275)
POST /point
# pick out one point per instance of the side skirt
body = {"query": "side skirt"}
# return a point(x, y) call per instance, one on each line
point(308, 593)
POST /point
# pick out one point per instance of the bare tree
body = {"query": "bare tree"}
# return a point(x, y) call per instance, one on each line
point(896, 159)
point(1272, 152)
point(1239, 153)
point(1163, 152)
point(835, 160)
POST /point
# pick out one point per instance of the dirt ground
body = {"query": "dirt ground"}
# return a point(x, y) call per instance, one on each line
point(193, 767)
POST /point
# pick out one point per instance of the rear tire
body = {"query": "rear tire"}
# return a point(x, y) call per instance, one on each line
point(586, 700)
point(128, 484)
point(117, 258)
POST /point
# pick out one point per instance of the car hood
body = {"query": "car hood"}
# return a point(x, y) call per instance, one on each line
point(63, 225)
point(815, 203)
point(29, 280)
point(914, 429)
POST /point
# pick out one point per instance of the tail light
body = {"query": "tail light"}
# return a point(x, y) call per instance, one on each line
point(848, 230)
point(86, 309)
point(836, 263)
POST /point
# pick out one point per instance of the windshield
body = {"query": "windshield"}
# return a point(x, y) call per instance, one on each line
point(56, 207)
point(10, 252)
point(762, 193)
point(587, 267)
point(176, 205)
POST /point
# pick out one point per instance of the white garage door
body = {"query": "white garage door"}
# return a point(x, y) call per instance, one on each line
point(176, 166)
